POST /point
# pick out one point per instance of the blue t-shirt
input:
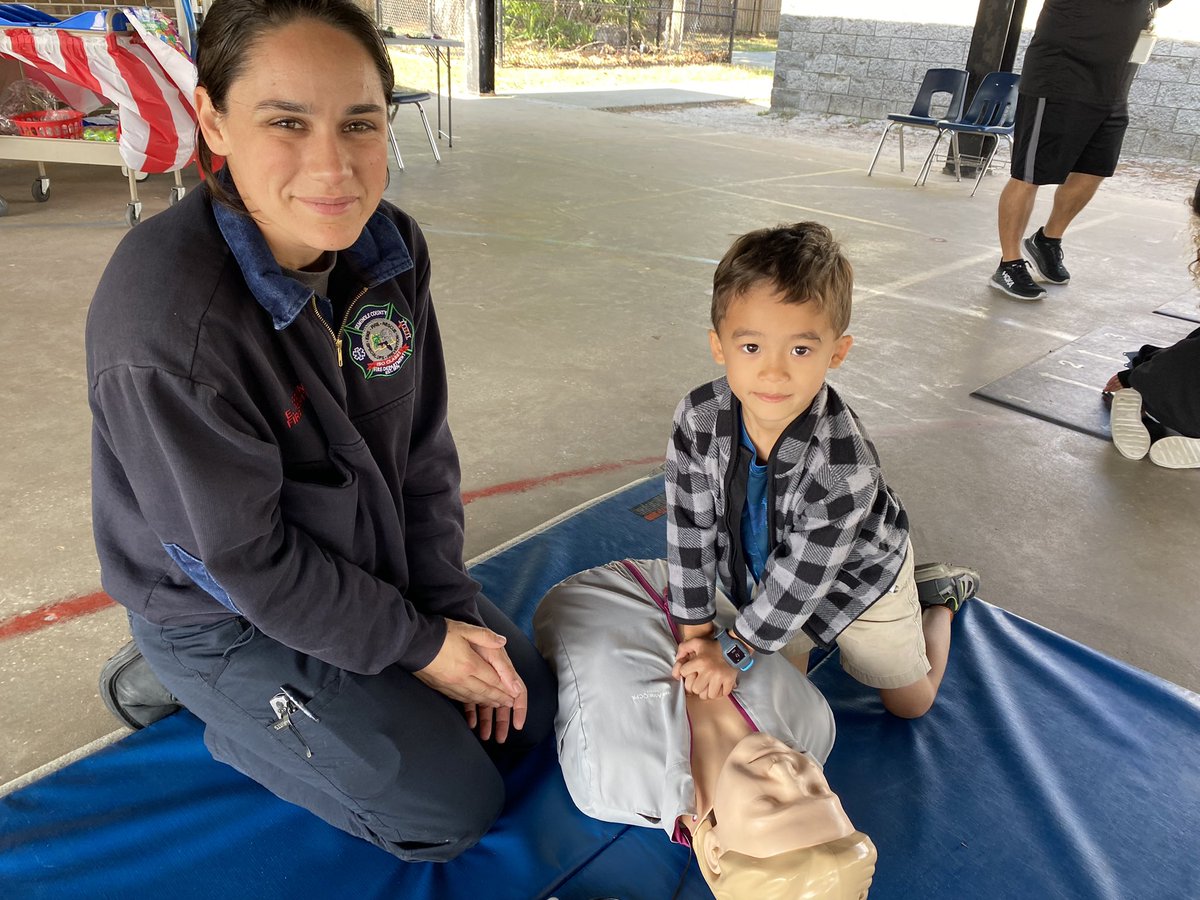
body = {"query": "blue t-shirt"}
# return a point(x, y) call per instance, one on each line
point(756, 542)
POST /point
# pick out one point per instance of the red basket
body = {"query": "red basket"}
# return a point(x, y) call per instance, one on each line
point(52, 123)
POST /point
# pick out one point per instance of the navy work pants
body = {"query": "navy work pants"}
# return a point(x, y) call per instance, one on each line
point(393, 761)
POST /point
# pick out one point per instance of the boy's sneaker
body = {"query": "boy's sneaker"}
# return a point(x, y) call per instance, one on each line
point(943, 584)
point(1013, 278)
point(1129, 433)
point(1176, 452)
point(132, 692)
point(1047, 255)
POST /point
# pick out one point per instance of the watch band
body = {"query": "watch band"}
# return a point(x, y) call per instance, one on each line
point(735, 652)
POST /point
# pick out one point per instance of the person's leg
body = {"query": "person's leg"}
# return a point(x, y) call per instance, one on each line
point(1015, 210)
point(1069, 200)
point(913, 700)
point(1018, 196)
point(1012, 276)
point(901, 648)
point(383, 757)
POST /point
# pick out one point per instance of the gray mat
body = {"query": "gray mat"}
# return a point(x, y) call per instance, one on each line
point(1064, 385)
point(1186, 308)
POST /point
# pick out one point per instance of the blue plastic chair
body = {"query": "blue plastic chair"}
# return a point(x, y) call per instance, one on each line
point(936, 81)
point(404, 97)
point(993, 112)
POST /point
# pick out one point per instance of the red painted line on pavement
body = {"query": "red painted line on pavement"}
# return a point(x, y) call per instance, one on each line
point(53, 613)
point(525, 484)
point(74, 607)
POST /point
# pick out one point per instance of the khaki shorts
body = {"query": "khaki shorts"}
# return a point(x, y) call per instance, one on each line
point(885, 646)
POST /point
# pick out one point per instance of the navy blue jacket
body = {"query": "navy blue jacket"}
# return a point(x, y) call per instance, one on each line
point(239, 469)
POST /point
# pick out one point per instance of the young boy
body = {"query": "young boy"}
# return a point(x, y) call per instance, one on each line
point(775, 493)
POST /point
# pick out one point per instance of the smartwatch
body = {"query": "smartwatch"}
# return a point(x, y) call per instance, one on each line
point(735, 652)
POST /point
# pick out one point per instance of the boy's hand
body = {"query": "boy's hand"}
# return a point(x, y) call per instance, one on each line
point(702, 666)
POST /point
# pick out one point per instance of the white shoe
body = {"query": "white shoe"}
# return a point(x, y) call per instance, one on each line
point(1176, 452)
point(1129, 435)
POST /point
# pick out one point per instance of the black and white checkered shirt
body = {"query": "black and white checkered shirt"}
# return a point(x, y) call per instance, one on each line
point(838, 533)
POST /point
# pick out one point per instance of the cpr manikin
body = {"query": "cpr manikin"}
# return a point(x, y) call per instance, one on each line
point(739, 778)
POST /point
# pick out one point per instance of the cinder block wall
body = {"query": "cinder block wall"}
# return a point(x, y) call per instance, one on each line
point(868, 68)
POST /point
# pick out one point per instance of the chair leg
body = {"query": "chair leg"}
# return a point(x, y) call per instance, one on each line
point(392, 139)
point(429, 134)
point(923, 175)
point(882, 138)
point(957, 160)
point(983, 169)
point(901, 137)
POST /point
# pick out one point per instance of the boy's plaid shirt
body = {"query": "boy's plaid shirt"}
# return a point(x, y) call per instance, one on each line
point(840, 534)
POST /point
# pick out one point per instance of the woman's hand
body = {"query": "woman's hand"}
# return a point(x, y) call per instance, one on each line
point(472, 667)
point(492, 721)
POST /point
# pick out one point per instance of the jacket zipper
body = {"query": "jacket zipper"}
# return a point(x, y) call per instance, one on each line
point(337, 337)
point(737, 555)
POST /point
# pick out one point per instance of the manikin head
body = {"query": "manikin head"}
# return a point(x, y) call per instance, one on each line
point(777, 831)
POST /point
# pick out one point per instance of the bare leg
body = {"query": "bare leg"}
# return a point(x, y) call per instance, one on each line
point(1016, 206)
point(914, 700)
point(1069, 200)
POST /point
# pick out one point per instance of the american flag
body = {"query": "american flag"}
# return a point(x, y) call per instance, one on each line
point(155, 110)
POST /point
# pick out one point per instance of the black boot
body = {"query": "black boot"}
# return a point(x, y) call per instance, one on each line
point(132, 692)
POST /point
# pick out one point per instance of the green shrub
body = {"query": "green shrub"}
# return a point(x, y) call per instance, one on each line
point(558, 27)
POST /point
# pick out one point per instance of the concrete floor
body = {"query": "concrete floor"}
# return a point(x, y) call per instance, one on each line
point(573, 253)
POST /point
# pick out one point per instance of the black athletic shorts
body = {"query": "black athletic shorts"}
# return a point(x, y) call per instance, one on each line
point(1054, 138)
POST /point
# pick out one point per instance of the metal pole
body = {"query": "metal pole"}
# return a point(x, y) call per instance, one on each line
point(628, 28)
point(487, 46)
point(500, 31)
point(732, 29)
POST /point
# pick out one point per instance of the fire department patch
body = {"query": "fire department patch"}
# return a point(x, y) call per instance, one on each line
point(380, 340)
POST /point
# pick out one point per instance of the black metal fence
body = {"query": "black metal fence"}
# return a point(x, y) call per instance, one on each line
point(534, 32)
point(645, 28)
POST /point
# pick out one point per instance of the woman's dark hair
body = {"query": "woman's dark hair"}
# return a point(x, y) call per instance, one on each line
point(1195, 266)
point(231, 30)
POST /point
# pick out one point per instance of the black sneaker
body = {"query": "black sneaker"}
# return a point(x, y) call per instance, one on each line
point(1047, 255)
point(942, 584)
point(132, 692)
point(1014, 279)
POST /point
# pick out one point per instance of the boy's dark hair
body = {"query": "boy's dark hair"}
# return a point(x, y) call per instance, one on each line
point(227, 39)
point(802, 261)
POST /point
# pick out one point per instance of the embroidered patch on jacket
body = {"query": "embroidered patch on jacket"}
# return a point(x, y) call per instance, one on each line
point(380, 340)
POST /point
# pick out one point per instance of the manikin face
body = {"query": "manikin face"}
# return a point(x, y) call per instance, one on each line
point(304, 136)
point(770, 799)
point(775, 356)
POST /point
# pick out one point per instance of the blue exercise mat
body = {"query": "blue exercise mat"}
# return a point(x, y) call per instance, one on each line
point(1044, 770)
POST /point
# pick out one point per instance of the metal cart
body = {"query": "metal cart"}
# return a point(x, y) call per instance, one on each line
point(41, 150)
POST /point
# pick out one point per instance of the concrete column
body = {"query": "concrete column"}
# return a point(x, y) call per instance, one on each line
point(479, 51)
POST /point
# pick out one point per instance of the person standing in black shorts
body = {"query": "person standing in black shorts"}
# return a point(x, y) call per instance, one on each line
point(1071, 120)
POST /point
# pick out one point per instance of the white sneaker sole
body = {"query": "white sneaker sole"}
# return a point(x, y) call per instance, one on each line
point(1009, 293)
point(1129, 435)
point(1176, 452)
point(1032, 250)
